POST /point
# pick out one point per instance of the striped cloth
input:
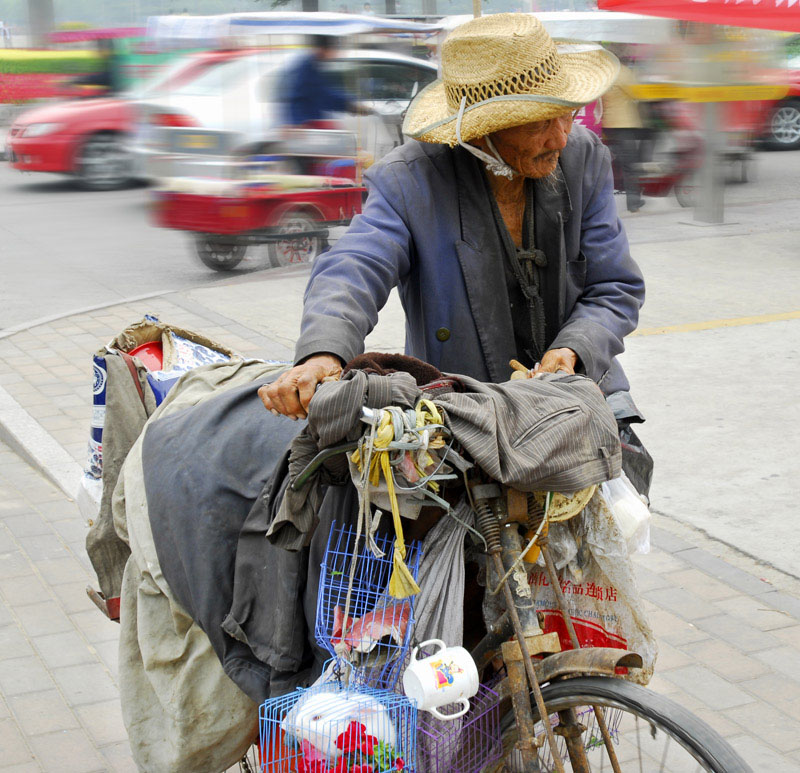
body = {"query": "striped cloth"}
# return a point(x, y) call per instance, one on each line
point(551, 433)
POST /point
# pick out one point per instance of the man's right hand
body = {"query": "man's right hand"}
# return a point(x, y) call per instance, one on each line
point(292, 391)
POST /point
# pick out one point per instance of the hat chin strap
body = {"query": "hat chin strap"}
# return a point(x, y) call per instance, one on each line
point(495, 163)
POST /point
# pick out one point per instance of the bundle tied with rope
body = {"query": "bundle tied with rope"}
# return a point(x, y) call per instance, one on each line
point(411, 445)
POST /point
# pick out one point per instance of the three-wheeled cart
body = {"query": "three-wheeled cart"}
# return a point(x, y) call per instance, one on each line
point(286, 194)
point(290, 213)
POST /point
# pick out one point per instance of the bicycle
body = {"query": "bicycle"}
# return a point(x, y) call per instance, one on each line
point(593, 716)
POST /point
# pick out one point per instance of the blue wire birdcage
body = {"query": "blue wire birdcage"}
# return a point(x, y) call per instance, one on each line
point(374, 638)
point(335, 728)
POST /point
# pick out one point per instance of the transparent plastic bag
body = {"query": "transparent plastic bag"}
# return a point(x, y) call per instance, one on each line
point(597, 579)
point(630, 512)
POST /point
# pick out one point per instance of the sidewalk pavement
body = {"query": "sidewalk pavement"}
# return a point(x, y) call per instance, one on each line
point(728, 640)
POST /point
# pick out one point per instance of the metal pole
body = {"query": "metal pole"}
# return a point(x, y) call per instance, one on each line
point(711, 206)
point(476, 8)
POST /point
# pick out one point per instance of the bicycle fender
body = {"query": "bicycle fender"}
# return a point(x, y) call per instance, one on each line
point(592, 661)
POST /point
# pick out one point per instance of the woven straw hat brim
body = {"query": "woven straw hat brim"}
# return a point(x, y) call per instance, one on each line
point(587, 74)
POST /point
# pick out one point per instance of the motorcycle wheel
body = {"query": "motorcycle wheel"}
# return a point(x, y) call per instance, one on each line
point(219, 252)
point(296, 249)
point(686, 192)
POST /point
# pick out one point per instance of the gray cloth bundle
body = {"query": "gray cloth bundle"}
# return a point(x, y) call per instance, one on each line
point(439, 607)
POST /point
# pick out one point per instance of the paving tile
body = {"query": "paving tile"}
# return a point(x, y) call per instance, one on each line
point(785, 602)
point(776, 690)
point(761, 757)
point(672, 629)
point(85, 683)
point(103, 722)
point(13, 748)
point(42, 712)
point(754, 611)
point(658, 561)
point(647, 580)
point(118, 757)
point(14, 643)
point(24, 590)
point(43, 618)
point(26, 525)
point(25, 767)
point(23, 675)
point(727, 573)
point(784, 659)
point(67, 751)
point(6, 618)
point(702, 584)
point(682, 603)
point(769, 724)
point(667, 541)
point(57, 571)
point(736, 633)
point(789, 635)
point(95, 626)
point(706, 686)
point(671, 657)
point(108, 652)
point(14, 563)
point(72, 597)
point(728, 662)
point(63, 649)
point(57, 510)
point(71, 529)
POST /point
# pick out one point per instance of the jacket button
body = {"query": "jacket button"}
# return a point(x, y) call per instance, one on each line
point(442, 334)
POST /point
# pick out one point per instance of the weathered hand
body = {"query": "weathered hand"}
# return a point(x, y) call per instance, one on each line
point(292, 391)
point(556, 360)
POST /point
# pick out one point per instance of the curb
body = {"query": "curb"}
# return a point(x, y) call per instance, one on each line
point(33, 443)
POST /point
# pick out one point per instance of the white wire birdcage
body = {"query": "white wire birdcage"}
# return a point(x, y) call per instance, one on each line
point(335, 728)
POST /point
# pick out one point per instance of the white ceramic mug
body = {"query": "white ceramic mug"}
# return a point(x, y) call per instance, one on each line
point(448, 676)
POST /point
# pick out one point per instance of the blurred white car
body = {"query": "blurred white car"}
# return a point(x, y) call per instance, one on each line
point(236, 109)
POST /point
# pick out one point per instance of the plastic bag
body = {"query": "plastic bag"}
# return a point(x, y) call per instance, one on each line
point(630, 511)
point(598, 583)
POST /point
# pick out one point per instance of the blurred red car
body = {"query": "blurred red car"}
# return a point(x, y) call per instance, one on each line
point(783, 124)
point(87, 138)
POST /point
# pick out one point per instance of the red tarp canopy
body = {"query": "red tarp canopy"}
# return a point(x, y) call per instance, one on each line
point(764, 14)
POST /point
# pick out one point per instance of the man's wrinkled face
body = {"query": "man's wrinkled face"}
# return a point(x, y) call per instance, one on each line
point(533, 148)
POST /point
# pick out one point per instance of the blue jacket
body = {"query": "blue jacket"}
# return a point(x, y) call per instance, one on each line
point(309, 94)
point(427, 228)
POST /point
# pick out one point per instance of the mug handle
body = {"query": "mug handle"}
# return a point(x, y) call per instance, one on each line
point(438, 714)
point(416, 649)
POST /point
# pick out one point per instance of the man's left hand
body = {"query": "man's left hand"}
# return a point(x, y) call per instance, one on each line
point(555, 360)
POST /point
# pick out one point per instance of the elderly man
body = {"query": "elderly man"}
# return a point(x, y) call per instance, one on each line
point(498, 226)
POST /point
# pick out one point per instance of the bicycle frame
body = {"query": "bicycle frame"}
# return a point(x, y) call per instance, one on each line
point(498, 513)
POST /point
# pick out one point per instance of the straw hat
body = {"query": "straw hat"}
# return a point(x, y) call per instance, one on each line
point(508, 71)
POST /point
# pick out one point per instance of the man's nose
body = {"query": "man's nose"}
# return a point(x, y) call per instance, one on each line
point(557, 136)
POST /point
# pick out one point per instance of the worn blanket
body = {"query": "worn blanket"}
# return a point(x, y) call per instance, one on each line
point(182, 712)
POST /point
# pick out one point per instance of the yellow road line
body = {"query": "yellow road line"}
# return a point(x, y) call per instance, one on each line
point(712, 324)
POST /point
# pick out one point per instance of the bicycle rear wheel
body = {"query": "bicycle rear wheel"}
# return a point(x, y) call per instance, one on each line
point(651, 733)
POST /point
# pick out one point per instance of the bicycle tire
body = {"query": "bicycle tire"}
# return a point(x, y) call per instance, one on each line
point(707, 747)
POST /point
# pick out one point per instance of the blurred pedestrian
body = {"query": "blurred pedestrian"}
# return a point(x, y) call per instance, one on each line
point(622, 131)
point(368, 9)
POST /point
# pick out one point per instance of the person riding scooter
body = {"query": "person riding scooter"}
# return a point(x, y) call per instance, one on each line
point(496, 222)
